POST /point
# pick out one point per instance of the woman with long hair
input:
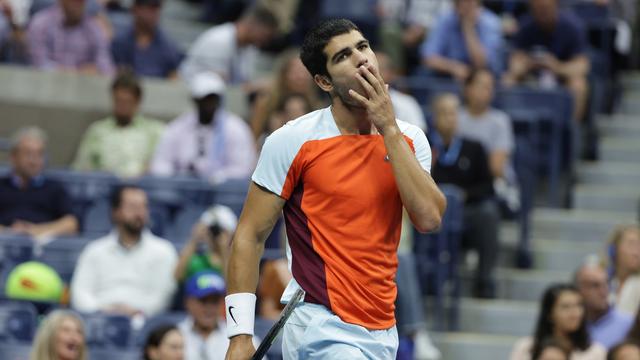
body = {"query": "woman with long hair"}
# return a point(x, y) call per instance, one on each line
point(291, 78)
point(561, 319)
point(60, 337)
point(623, 254)
point(164, 342)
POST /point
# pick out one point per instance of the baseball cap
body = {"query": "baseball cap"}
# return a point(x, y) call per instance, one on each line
point(206, 83)
point(220, 215)
point(205, 283)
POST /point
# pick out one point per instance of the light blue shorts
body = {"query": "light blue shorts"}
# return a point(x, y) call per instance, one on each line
point(314, 332)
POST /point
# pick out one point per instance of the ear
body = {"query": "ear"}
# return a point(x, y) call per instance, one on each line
point(323, 82)
point(153, 352)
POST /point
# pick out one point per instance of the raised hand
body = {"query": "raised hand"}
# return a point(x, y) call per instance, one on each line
point(378, 102)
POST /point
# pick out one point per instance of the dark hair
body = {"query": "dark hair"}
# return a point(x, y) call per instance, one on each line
point(544, 327)
point(552, 343)
point(611, 355)
point(634, 333)
point(126, 80)
point(473, 75)
point(155, 337)
point(312, 52)
point(262, 15)
point(115, 198)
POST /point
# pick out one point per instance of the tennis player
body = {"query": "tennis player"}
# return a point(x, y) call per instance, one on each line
point(341, 175)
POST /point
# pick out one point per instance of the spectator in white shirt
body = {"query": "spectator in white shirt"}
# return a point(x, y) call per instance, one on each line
point(204, 328)
point(208, 141)
point(129, 271)
point(230, 49)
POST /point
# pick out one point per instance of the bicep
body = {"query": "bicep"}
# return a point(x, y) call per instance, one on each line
point(261, 210)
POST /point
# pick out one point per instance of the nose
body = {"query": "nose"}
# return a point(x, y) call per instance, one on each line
point(360, 58)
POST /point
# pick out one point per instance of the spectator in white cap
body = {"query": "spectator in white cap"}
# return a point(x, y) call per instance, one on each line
point(207, 141)
point(204, 328)
point(209, 244)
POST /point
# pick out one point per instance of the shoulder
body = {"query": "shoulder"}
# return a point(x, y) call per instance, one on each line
point(100, 126)
point(521, 347)
point(153, 124)
point(315, 125)
point(235, 121)
point(489, 19)
point(593, 352)
point(569, 21)
point(158, 244)
point(220, 33)
point(499, 117)
point(46, 16)
point(410, 130)
point(472, 145)
point(98, 246)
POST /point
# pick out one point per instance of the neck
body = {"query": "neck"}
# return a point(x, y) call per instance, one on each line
point(241, 34)
point(595, 315)
point(203, 330)
point(351, 120)
point(563, 339)
point(127, 239)
point(446, 139)
point(476, 110)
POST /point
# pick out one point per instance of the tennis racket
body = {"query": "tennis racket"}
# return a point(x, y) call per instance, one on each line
point(275, 329)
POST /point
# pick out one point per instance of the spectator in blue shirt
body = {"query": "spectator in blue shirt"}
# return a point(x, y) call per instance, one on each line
point(469, 37)
point(551, 45)
point(605, 323)
point(30, 203)
point(143, 47)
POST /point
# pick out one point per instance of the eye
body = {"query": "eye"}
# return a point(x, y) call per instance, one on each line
point(363, 46)
point(341, 57)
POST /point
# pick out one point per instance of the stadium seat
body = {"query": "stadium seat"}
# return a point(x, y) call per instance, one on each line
point(437, 257)
point(553, 108)
point(425, 88)
point(62, 254)
point(232, 194)
point(262, 327)
point(107, 331)
point(11, 351)
point(18, 321)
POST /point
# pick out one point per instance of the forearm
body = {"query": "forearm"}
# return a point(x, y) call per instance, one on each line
point(578, 66)
point(66, 225)
point(242, 268)
point(419, 193)
point(519, 66)
point(476, 51)
point(185, 255)
point(442, 64)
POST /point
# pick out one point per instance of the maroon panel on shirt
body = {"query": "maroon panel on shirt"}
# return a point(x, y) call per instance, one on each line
point(306, 265)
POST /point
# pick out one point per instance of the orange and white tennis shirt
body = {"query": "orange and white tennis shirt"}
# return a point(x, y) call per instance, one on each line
point(342, 214)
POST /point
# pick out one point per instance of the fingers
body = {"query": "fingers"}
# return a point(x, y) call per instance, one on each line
point(372, 77)
point(366, 85)
point(359, 98)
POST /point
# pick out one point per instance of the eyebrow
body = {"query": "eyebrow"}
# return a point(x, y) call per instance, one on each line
point(347, 50)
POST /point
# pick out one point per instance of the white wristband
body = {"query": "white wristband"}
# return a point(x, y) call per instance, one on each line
point(241, 309)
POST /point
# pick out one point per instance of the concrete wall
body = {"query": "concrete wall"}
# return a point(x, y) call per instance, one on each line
point(65, 104)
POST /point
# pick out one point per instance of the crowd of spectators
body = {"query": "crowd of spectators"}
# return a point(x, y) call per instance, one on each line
point(134, 273)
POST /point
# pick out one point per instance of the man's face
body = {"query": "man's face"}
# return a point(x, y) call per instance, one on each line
point(446, 116)
point(147, 16)
point(27, 158)
point(544, 12)
point(260, 34)
point(207, 106)
point(345, 54)
point(133, 213)
point(125, 105)
point(204, 311)
point(592, 284)
point(73, 10)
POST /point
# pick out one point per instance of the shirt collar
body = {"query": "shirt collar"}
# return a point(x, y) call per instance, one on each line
point(143, 236)
point(36, 181)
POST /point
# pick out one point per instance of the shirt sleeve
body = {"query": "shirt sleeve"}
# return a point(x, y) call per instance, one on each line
point(83, 297)
point(435, 42)
point(87, 155)
point(240, 152)
point(280, 164)
point(63, 205)
point(162, 162)
point(503, 137)
point(162, 285)
point(492, 41)
point(421, 146)
point(102, 59)
point(577, 39)
point(37, 43)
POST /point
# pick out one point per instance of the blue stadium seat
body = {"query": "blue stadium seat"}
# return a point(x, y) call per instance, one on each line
point(232, 194)
point(111, 354)
point(179, 231)
point(425, 88)
point(11, 351)
point(261, 328)
point(107, 331)
point(174, 318)
point(18, 321)
point(553, 108)
point(362, 12)
point(15, 248)
point(62, 255)
point(437, 257)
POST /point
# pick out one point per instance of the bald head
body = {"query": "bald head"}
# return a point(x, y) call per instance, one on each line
point(591, 281)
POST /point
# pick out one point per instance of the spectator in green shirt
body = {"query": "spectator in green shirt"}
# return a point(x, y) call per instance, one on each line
point(124, 142)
